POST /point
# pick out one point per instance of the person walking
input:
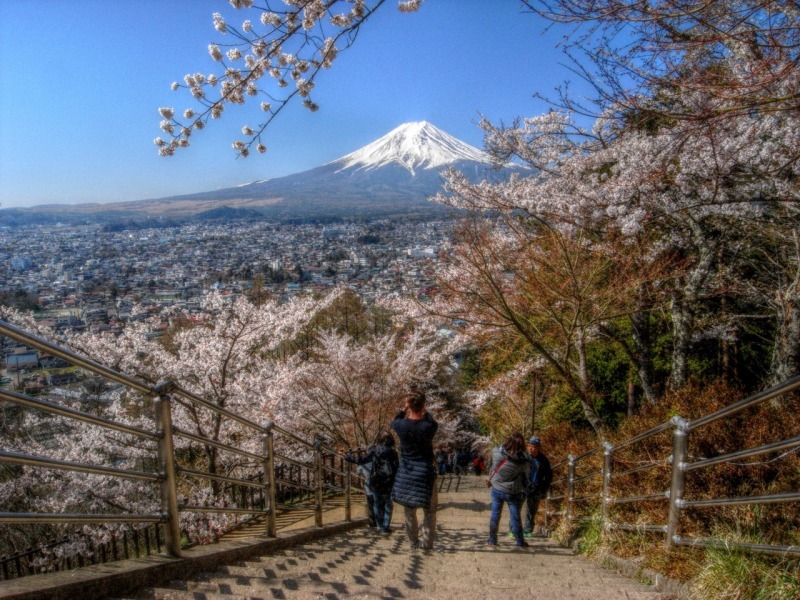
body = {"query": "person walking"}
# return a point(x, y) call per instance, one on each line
point(478, 466)
point(539, 482)
point(365, 472)
point(414, 486)
point(381, 463)
point(509, 469)
point(441, 461)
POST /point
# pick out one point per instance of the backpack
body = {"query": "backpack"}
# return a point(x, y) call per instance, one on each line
point(382, 478)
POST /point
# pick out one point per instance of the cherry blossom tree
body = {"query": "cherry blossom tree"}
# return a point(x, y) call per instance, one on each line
point(234, 355)
point(271, 58)
point(349, 391)
point(768, 274)
point(697, 61)
point(508, 402)
point(225, 354)
point(551, 289)
point(675, 207)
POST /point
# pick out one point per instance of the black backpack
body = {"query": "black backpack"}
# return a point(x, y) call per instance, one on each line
point(382, 477)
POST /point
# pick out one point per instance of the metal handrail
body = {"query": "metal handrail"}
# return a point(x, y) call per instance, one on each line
point(17, 458)
point(221, 509)
point(589, 476)
point(223, 478)
point(584, 498)
point(293, 437)
point(643, 498)
point(587, 454)
point(782, 551)
point(296, 484)
point(642, 436)
point(641, 468)
point(680, 466)
point(333, 470)
point(217, 409)
point(773, 392)
point(292, 461)
point(222, 446)
point(71, 413)
point(747, 453)
point(165, 394)
point(634, 527)
point(39, 343)
point(766, 499)
point(20, 518)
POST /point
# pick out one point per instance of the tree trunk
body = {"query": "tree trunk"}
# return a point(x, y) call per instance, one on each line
point(585, 396)
point(631, 397)
point(786, 350)
point(641, 333)
point(681, 329)
point(684, 300)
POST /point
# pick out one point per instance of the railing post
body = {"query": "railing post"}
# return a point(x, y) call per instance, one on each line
point(570, 487)
point(608, 461)
point(348, 516)
point(318, 465)
point(166, 461)
point(269, 473)
point(547, 511)
point(680, 445)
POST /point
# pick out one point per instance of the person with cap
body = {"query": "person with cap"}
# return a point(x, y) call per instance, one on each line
point(541, 474)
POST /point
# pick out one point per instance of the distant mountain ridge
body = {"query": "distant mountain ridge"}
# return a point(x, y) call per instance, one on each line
point(394, 175)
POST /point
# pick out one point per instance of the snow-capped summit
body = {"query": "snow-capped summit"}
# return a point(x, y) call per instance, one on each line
point(414, 146)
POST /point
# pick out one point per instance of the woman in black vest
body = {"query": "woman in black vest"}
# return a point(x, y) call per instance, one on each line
point(414, 486)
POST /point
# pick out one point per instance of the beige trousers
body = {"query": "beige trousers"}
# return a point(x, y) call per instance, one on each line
point(428, 522)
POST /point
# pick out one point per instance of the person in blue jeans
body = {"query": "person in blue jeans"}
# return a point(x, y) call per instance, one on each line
point(380, 485)
point(541, 475)
point(508, 477)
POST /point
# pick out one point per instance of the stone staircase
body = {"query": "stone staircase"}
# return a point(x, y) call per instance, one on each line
point(363, 564)
point(301, 515)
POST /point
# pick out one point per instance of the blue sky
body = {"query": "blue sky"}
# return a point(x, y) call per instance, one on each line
point(81, 82)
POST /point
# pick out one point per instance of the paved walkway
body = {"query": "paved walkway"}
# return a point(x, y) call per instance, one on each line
point(359, 564)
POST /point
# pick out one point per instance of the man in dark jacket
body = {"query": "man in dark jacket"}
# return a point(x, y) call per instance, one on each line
point(379, 457)
point(540, 478)
point(415, 486)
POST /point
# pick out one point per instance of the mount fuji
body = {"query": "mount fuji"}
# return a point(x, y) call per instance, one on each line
point(414, 146)
point(395, 174)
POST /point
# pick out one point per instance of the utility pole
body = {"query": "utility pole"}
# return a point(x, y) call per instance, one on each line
point(533, 406)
